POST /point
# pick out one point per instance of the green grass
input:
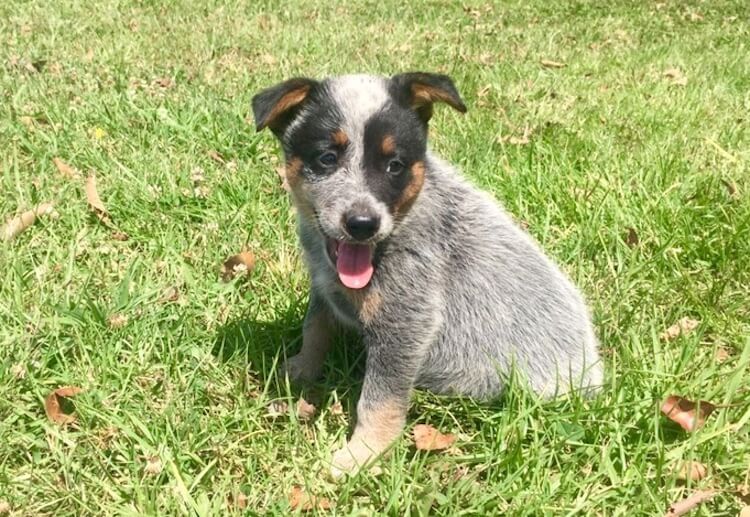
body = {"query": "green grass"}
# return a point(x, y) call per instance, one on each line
point(613, 145)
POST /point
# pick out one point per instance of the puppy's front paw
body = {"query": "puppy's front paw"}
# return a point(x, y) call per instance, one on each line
point(300, 369)
point(354, 456)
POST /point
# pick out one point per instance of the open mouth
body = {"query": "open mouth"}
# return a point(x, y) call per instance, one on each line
point(353, 262)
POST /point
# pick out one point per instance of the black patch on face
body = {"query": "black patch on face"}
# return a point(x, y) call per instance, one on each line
point(314, 136)
point(409, 135)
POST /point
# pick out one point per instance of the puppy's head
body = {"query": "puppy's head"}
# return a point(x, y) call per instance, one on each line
point(355, 148)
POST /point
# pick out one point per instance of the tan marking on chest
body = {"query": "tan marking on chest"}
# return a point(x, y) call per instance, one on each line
point(367, 302)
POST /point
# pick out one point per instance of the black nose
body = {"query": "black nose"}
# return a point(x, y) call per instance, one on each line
point(362, 227)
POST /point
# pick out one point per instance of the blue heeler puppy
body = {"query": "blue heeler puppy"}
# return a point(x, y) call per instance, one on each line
point(446, 291)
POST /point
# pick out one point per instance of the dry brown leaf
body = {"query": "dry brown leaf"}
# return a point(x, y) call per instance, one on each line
point(689, 503)
point(281, 171)
point(632, 239)
point(95, 202)
point(53, 404)
point(153, 466)
point(722, 354)
point(117, 321)
point(745, 512)
point(215, 156)
point(242, 263)
point(15, 226)
point(731, 187)
point(688, 414)
point(305, 410)
point(120, 236)
point(172, 294)
point(683, 327)
point(299, 499)
point(4, 507)
point(552, 64)
point(676, 75)
point(277, 408)
point(336, 409)
point(66, 170)
point(239, 501)
point(427, 438)
point(691, 470)
point(164, 82)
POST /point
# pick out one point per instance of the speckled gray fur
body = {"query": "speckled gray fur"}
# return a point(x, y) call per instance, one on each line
point(465, 295)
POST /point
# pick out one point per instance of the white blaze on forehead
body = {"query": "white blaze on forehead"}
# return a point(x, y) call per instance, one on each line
point(358, 97)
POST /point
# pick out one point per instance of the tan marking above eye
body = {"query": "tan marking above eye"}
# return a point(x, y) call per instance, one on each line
point(340, 138)
point(388, 145)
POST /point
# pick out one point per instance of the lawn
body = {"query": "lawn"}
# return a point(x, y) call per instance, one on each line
point(618, 133)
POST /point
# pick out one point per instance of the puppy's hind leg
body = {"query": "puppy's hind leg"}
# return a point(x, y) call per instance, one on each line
point(317, 332)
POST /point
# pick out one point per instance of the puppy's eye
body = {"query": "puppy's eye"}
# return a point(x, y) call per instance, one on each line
point(328, 159)
point(395, 167)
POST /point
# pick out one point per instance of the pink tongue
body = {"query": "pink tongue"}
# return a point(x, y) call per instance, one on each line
point(354, 264)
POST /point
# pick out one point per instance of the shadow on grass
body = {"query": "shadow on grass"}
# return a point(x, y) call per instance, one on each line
point(264, 345)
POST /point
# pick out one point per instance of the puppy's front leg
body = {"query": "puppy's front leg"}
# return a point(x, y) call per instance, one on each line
point(317, 332)
point(393, 359)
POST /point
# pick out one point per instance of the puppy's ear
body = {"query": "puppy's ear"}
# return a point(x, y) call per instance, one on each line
point(275, 107)
point(420, 90)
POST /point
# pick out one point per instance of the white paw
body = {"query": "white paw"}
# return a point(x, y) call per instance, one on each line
point(353, 457)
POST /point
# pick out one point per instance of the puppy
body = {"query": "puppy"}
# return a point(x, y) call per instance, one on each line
point(446, 291)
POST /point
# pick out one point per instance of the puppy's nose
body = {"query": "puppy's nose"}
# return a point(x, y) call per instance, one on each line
point(362, 226)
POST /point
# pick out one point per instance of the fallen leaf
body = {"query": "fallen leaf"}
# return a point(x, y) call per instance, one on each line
point(691, 470)
point(53, 404)
point(15, 226)
point(683, 327)
point(153, 466)
point(281, 171)
point(631, 239)
point(164, 82)
point(689, 503)
point(277, 408)
point(237, 264)
point(722, 354)
point(336, 409)
point(731, 187)
point(299, 499)
point(95, 202)
point(4, 507)
point(427, 438)
point(745, 512)
point(688, 414)
point(240, 501)
point(117, 321)
point(120, 236)
point(171, 294)
point(305, 410)
point(676, 75)
point(552, 64)
point(215, 156)
point(66, 170)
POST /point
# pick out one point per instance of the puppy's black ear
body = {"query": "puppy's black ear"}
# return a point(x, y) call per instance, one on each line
point(276, 106)
point(420, 90)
